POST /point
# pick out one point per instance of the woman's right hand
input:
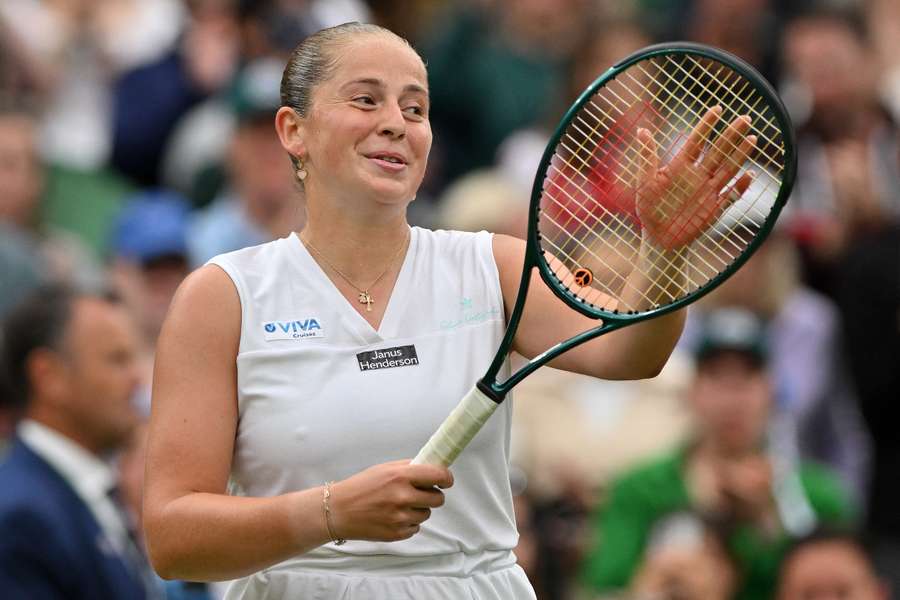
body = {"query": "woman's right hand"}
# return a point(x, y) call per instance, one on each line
point(387, 502)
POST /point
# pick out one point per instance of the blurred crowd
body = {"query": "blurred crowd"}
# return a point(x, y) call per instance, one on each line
point(137, 141)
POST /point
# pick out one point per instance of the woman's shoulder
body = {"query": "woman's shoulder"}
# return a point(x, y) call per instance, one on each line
point(251, 254)
point(208, 296)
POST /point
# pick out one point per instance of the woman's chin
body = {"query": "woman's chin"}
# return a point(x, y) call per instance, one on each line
point(392, 195)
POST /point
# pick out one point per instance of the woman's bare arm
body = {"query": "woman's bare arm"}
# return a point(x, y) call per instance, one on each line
point(194, 531)
point(635, 352)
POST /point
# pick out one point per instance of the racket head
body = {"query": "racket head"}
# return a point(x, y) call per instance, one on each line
point(584, 231)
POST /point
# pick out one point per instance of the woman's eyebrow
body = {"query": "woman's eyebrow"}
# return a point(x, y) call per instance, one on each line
point(412, 87)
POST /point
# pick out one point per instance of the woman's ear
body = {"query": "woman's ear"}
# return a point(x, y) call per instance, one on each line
point(289, 126)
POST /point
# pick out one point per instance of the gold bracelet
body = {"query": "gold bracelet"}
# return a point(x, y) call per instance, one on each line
point(326, 494)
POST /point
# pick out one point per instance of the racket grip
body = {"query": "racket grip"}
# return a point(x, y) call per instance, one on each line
point(457, 430)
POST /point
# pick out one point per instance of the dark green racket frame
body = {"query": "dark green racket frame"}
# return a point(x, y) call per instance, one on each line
point(615, 320)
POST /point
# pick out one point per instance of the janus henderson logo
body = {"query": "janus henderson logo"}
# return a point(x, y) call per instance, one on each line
point(293, 329)
point(388, 358)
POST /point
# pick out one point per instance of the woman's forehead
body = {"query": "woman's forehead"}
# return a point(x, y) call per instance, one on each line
point(379, 56)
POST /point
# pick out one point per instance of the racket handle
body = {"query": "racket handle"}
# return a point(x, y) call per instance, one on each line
point(457, 430)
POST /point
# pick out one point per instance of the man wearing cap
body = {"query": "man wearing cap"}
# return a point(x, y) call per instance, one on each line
point(726, 473)
point(150, 255)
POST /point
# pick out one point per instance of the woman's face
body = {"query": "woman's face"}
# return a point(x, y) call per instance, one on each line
point(367, 134)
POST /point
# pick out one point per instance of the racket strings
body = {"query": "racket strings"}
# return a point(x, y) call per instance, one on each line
point(589, 221)
point(680, 188)
point(620, 236)
point(763, 138)
point(744, 105)
point(696, 114)
point(688, 107)
point(621, 224)
point(664, 202)
point(613, 288)
point(674, 144)
point(629, 238)
point(770, 162)
point(628, 256)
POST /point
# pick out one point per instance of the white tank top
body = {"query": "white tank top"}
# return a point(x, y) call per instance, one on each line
point(322, 395)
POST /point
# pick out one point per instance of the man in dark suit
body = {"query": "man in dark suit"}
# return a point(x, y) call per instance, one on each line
point(63, 533)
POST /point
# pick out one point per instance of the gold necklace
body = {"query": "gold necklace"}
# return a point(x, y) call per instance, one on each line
point(364, 296)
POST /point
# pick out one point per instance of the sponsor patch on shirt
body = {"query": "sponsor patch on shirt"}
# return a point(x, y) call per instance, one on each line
point(388, 358)
point(292, 329)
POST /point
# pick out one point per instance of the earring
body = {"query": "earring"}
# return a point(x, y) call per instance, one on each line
point(301, 171)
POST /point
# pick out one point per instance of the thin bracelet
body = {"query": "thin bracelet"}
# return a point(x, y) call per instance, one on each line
point(326, 494)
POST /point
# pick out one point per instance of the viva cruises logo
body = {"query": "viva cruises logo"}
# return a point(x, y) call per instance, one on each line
point(292, 329)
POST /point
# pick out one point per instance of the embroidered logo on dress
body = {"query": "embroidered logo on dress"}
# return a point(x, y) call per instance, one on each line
point(388, 358)
point(292, 329)
point(470, 314)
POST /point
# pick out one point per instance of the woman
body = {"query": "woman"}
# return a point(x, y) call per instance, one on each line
point(314, 357)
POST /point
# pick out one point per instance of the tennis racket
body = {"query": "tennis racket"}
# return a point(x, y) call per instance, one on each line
point(660, 181)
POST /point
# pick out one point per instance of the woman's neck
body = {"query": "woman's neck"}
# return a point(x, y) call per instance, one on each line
point(356, 248)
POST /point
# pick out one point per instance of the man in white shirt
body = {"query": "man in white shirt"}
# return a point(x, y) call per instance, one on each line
point(71, 357)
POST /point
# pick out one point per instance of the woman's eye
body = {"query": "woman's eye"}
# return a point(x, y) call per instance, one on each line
point(365, 100)
point(415, 110)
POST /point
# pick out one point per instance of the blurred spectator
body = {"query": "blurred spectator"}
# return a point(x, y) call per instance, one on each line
point(526, 550)
point(848, 180)
point(20, 273)
point(272, 28)
point(483, 199)
point(884, 23)
point(493, 71)
point(746, 28)
point(268, 30)
point(261, 202)
point(830, 565)
point(21, 268)
point(571, 435)
point(869, 297)
point(149, 100)
point(725, 473)
point(10, 408)
point(20, 74)
point(813, 388)
point(149, 251)
point(82, 45)
point(71, 358)
point(519, 156)
point(21, 184)
point(686, 559)
point(664, 19)
point(407, 19)
point(149, 247)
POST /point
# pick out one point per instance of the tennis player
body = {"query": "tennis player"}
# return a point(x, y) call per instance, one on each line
point(295, 379)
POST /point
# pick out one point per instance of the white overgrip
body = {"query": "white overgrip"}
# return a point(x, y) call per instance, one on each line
point(457, 430)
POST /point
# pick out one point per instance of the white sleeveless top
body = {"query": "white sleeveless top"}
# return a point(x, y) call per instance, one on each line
point(322, 396)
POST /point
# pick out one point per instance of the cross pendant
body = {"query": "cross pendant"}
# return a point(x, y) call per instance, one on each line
point(365, 298)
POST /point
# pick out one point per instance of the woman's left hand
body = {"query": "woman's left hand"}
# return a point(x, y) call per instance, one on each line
point(679, 201)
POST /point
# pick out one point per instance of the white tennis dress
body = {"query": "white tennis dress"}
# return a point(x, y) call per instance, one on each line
point(322, 396)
